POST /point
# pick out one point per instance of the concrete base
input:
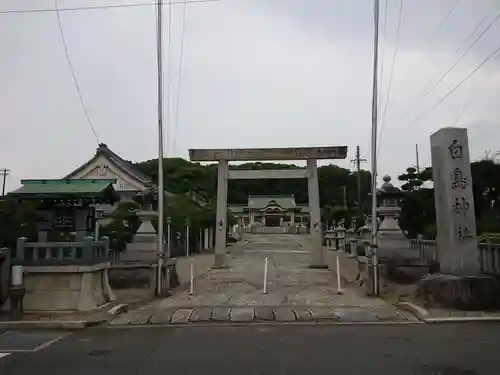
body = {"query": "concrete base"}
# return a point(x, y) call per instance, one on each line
point(480, 292)
point(142, 276)
point(66, 288)
point(219, 261)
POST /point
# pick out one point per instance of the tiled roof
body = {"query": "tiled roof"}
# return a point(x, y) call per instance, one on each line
point(126, 166)
point(63, 187)
point(262, 201)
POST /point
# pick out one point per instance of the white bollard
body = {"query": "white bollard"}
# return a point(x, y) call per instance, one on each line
point(191, 278)
point(16, 276)
point(337, 261)
point(265, 275)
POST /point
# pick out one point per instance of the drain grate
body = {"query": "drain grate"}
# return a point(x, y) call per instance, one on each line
point(100, 353)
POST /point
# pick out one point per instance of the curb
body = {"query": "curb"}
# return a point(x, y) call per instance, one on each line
point(118, 309)
point(419, 312)
point(422, 314)
point(313, 323)
point(66, 325)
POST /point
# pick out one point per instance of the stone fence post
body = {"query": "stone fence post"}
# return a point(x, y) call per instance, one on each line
point(88, 249)
point(20, 246)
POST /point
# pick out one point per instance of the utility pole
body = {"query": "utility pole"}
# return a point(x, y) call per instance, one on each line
point(159, 84)
point(418, 162)
point(4, 172)
point(358, 160)
point(374, 242)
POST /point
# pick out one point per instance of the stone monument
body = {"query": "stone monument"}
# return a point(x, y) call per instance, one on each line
point(456, 222)
point(461, 284)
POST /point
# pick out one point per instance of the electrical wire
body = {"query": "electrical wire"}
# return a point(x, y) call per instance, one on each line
point(444, 97)
point(467, 38)
point(438, 29)
point(472, 96)
point(72, 69)
point(179, 78)
point(382, 52)
point(100, 7)
point(391, 74)
point(462, 56)
point(443, 22)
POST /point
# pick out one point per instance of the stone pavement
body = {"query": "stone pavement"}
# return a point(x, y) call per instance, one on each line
point(295, 292)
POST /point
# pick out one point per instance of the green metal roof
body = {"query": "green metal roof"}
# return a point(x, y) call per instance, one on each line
point(63, 187)
point(262, 201)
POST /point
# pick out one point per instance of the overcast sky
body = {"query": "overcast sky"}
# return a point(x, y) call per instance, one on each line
point(256, 73)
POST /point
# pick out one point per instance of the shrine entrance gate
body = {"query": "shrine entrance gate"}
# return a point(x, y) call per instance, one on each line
point(310, 154)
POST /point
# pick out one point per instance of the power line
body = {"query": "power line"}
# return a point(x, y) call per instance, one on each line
point(443, 98)
point(472, 96)
point(443, 22)
point(440, 27)
point(467, 38)
point(434, 34)
point(462, 56)
point(382, 50)
point(179, 80)
point(100, 7)
point(75, 81)
point(391, 74)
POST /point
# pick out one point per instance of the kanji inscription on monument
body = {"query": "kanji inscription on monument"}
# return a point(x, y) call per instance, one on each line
point(456, 223)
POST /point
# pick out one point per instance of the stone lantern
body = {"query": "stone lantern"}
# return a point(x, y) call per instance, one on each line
point(390, 236)
point(144, 246)
point(388, 208)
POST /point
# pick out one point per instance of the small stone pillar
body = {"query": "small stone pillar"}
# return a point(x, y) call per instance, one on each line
point(206, 242)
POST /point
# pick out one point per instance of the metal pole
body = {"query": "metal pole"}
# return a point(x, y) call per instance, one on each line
point(374, 147)
point(358, 177)
point(191, 278)
point(337, 263)
point(187, 239)
point(265, 275)
point(5, 173)
point(159, 57)
point(169, 237)
point(418, 162)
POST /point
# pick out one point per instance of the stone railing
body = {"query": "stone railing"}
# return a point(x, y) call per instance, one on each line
point(489, 257)
point(292, 229)
point(427, 249)
point(488, 253)
point(86, 252)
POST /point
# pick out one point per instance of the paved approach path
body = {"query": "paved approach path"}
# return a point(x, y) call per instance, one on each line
point(295, 292)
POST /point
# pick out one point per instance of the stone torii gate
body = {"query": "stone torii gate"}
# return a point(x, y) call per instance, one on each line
point(310, 154)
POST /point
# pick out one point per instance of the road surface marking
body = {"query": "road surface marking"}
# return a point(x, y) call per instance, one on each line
point(3, 355)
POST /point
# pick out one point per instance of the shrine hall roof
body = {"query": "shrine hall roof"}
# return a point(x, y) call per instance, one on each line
point(262, 201)
point(66, 187)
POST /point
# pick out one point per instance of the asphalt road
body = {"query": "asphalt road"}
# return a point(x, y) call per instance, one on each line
point(418, 349)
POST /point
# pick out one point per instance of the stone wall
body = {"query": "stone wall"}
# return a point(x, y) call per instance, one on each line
point(66, 288)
